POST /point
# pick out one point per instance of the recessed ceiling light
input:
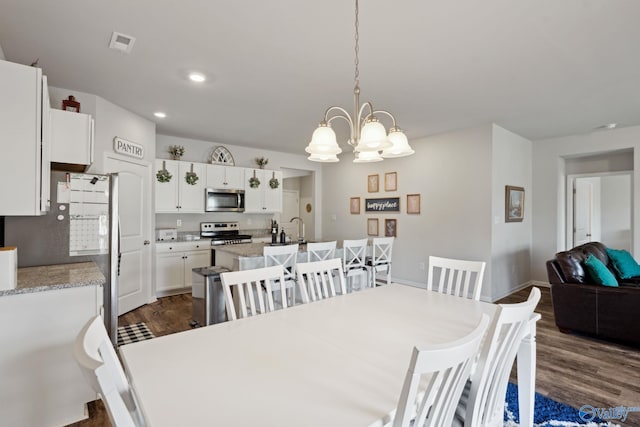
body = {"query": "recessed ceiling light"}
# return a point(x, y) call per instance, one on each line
point(608, 126)
point(160, 114)
point(197, 77)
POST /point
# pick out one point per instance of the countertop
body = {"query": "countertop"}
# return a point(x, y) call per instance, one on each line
point(248, 249)
point(60, 276)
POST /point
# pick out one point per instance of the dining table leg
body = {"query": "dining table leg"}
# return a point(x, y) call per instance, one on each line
point(527, 374)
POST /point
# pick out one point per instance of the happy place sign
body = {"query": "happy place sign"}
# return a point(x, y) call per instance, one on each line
point(387, 204)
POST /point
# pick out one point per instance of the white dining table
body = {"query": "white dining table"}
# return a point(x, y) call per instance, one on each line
point(339, 361)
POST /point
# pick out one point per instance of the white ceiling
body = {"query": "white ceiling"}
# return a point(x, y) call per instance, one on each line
point(540, 68)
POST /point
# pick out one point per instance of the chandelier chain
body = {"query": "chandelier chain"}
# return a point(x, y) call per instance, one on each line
point(357, 49)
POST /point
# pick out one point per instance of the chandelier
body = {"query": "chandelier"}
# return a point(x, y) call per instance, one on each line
point(368, 137)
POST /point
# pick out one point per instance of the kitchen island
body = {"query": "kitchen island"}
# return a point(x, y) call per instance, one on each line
point(41, 382)
point(247, 256)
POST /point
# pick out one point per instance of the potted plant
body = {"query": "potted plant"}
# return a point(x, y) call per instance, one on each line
point(261, 162)
point(176, 151)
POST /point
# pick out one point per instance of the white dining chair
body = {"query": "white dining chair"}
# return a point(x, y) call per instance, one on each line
point(286, 256)
point(448, 365)
point(482, 402)
point(318, 279)
point(319, 251)
point(456, 277)
point(100, 366)
point(253, 289)
point(380, 259)
point(353, 262)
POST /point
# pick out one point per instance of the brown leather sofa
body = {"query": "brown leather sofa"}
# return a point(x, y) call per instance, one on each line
point(610, 313)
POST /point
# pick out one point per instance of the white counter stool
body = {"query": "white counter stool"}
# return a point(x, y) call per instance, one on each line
point(321, 251)
point(286, 257)
point(380, 260)
point(353, 259)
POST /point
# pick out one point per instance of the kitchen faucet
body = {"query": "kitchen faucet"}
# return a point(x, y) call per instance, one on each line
point(300, 221)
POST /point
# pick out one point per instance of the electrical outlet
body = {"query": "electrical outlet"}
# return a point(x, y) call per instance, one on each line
point(333, 217)
point(422, 266)
point(179, 223)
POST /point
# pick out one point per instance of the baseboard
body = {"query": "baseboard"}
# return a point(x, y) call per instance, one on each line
point(519, 288)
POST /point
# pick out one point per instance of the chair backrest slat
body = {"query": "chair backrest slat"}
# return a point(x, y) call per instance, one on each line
point(381, 252)
point(489, 381)
point(355, 252)
point(449, 365)
point(249, 287)
point(318, 279)
point(281, 255)
point(101, 367)
point(456, 277)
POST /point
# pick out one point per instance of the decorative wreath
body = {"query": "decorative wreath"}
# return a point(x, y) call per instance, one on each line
point(191, 177)
point(254, 182)
point(163, 176)
point(273, 182)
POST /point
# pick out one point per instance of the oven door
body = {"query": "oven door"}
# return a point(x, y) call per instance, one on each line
point(223, 200)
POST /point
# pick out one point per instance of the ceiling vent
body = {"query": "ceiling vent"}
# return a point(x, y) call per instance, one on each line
point(122, 42)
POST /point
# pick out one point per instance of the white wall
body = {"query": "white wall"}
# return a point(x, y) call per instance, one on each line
point(451, 172)
point(549, 182)
point(616, 207)
point(2, 54)
point(510, 241)
point(200, 151)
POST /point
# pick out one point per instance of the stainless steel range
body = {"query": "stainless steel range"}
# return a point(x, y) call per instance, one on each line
point(223, 233)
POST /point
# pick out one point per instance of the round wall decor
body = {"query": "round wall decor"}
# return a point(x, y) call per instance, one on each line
point(221, 155)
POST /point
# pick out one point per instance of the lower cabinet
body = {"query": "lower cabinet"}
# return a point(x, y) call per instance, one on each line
point(41, 384)
point(174, 262)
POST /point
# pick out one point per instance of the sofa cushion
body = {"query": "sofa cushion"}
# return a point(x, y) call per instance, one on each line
point(599, 272)
point(623, 263)
point(570, 264)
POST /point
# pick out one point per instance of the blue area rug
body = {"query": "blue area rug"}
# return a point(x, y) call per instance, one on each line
point(548, 413)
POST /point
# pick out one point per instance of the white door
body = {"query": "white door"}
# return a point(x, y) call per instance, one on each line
point(585, 211)
point(135, 231)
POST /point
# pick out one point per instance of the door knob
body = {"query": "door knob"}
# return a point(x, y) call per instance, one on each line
point(146, 242)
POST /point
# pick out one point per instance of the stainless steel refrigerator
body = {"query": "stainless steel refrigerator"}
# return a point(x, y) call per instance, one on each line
point(81, 226)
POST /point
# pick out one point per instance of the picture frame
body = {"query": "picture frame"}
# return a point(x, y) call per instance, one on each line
point(373, 185)
point(354, 205)
point(391, 181)
point(513, 203)
point(390, 227)
point(372, 226)
point(413, 204)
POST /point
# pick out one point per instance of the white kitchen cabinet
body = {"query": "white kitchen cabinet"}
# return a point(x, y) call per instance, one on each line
point(178, 195)
point(174, 262)
point(41, 383)
point(71, 137)
point(262, 199)
point(24, 120)
point(221, 177)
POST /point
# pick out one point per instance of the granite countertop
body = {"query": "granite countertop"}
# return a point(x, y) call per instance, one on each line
point(60, 276)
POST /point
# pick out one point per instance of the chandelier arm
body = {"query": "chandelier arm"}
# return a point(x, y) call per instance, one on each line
point(364, 105)
point(388, 114)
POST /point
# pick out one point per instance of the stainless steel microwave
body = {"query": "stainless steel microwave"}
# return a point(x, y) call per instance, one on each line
point(217, 200)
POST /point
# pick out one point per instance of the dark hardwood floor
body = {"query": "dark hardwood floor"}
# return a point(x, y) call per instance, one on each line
point(572, 369)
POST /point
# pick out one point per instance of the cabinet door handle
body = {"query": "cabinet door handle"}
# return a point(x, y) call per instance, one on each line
point(146, 242)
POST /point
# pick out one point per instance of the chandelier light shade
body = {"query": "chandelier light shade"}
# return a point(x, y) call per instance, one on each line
point(367, 136)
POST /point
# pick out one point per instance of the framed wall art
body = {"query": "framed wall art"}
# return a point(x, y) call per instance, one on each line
point(413, 203)
point(513, 203)
point(390, 181)
point(390, 227)
point(373, 185)
point(386, 204)
point(354, 205)
point(372, 226)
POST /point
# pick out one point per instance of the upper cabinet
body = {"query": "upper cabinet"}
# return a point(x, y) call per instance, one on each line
point(184, 190)
point(222, 177)
point(266, 197)
point(71, 139)
point(24, 132)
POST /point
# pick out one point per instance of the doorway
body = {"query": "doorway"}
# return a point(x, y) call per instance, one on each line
point(599, 209)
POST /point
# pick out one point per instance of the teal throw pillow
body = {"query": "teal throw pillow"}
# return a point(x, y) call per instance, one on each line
point(623, 263)
point(599, 272)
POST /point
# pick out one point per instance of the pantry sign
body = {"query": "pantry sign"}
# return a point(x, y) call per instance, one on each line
point(128, 148)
